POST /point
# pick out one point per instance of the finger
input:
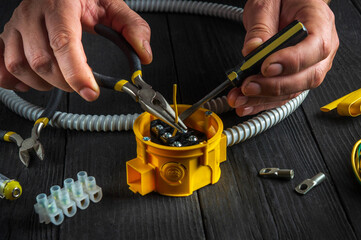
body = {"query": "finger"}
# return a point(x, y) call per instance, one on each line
point(244, 111)
point(237, 99)
point(16, 62)
point(316, 47)
point(261, 18)
point(284, 85)
point(39, 54)
point(64, 32)
point(134, 29)
point(7, 80)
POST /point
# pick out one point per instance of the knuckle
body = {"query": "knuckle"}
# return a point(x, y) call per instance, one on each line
point(263, 5)
point(41, 63)
point(60, 40)
point(23, 11)
point(16, 66)
point(260, 28)
point(317, 77)
point(141, 23)
point(325, 48)
point(8, 26)
point(294, 62)
point(278, 89)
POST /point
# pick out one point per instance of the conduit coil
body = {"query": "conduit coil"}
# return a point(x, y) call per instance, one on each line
point(81, 122)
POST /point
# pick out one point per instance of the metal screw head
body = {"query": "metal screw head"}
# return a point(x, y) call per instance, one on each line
point(167, 135)
point(192, 138)
point(176, 144)
point(159, 127)
point(146, 138)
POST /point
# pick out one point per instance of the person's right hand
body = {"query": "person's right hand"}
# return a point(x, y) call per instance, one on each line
point(41, 46)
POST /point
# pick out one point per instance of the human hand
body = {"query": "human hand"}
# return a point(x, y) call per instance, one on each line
point(41, 46)
point(286, 73)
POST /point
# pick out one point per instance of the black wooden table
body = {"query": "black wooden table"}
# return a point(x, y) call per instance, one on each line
point(194, 52)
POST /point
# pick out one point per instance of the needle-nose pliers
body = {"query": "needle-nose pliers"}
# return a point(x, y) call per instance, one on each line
point(150, 100)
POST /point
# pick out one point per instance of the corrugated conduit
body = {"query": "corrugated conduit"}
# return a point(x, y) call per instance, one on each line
point(81, 122)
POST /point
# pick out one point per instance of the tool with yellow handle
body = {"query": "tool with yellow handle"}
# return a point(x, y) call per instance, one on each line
point(289, 36)
point(150, 100)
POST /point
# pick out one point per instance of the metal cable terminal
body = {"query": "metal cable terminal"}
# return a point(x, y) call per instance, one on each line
point(308, 184)
point(277, 173)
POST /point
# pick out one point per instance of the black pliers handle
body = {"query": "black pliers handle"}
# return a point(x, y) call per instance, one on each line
point(150, 100)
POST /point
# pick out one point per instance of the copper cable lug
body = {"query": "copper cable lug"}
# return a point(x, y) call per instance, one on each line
point(308, 184)
point(277, 173)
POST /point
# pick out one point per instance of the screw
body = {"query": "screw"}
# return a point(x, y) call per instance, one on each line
point(176, 144)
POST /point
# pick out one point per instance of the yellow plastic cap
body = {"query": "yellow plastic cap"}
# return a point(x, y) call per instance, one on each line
point(12, 190)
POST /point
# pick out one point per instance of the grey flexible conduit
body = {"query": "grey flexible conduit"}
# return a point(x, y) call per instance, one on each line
point(236, 134)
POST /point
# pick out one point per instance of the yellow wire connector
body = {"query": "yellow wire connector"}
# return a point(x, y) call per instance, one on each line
point(9, 189)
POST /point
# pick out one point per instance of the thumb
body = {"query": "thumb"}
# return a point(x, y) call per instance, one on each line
point(134, 28)
point(261, 21)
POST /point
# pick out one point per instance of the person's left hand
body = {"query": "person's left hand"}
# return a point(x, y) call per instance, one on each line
point(286, 73)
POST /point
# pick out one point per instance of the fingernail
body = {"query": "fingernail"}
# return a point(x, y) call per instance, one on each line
point(247, 111)
point(252, 88)
point(273, 70)
point(240, 101)
point(88, 94)
point(147, 48)
point(244, 112)
point(21, 87)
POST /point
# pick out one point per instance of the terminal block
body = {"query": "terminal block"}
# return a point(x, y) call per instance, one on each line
point(66, 200)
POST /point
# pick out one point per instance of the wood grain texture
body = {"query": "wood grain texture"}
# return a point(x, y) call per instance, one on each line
point(241, 205)
point(336, 135)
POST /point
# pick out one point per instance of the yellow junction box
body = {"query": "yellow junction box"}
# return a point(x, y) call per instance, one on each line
point(177, 171)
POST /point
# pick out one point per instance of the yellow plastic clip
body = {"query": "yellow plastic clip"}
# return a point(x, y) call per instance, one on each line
point(43, 120)
point(136, 74)
point(119, 85)
point(348, 105)
point(7, 136)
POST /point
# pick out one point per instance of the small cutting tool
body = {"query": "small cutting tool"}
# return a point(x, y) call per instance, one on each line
point(150, 100)
point(289, 36)
point(32, 144)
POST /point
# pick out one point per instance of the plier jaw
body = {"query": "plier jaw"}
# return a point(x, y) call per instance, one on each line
point(32, 144)
point(150, 100)
point(153, 102)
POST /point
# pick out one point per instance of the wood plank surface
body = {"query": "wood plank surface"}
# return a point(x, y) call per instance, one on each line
point(195, 52)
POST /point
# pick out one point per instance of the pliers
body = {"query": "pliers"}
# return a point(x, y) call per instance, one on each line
point(32, 144)
point(150, 100)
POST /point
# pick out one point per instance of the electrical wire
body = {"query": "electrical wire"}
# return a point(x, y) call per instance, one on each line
point(355, 160)
point(81, 122)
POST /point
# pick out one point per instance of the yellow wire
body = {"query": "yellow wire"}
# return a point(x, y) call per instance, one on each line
point(355, 160)
point(175, 106)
